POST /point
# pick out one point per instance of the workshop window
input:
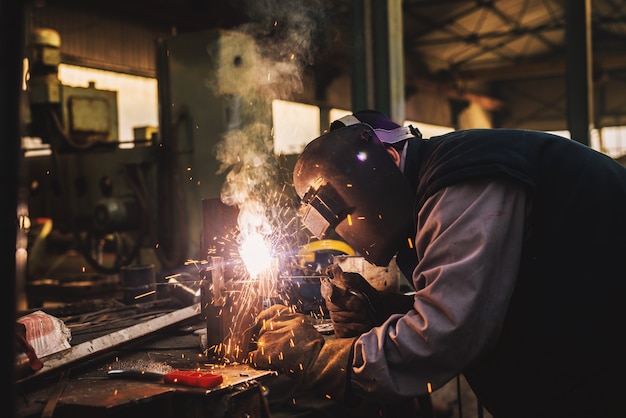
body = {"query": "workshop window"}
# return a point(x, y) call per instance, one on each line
point(295, 125)
point(428, 130)
point(137, 96)
point(612, 141)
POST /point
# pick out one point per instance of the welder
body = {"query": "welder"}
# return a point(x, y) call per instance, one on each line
point(515, 243)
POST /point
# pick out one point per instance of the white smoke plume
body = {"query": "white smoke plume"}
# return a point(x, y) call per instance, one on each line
point(284, 33)
point(287, 34)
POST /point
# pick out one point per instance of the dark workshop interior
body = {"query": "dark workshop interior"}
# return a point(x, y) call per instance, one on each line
point(147, 143)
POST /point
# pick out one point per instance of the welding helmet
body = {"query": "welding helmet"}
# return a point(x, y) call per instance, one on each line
point(347, 182)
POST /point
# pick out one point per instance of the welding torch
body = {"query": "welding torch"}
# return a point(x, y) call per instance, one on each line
point(369, 297)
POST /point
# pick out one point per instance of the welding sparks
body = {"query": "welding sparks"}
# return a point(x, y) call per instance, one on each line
point(267, 230)
point(255, 254)
point(143, 295)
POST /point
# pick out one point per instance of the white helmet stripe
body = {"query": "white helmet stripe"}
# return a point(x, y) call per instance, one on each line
point(394, 135)
point(349, 120)
point(390, 136)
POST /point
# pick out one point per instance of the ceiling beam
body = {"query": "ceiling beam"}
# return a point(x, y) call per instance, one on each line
point(542, 69)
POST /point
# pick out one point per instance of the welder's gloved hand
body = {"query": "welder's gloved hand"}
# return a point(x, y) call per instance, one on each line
point(355, 306)
point(289, 343)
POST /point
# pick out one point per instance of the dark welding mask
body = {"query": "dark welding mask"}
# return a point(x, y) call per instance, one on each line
point(347, 182)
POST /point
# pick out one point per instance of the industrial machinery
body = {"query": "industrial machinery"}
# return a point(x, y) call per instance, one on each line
point(89, 201)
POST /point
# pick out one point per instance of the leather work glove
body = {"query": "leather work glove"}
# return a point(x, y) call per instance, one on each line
point(355, 306)
point(289, 343)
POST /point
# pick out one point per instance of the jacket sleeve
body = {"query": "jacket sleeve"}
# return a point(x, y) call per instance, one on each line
point(469, 239)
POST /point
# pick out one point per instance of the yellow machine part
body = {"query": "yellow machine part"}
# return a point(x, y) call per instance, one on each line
point(307, 251)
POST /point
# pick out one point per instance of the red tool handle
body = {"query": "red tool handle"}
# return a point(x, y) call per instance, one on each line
point(193, 378)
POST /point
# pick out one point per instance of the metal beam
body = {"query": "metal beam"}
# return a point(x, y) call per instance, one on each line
point(529, 71)
point(579, 85)
point(362, 68)
point(378, 57)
